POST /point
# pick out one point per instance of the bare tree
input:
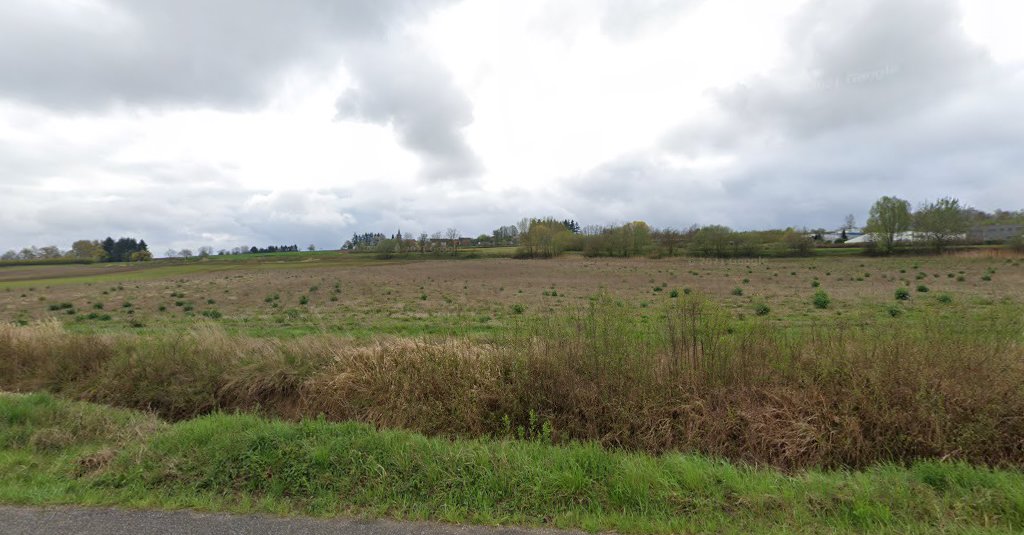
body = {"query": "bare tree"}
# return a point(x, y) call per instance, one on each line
point(453, 238)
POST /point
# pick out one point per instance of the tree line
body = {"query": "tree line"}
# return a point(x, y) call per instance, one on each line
point(107, 250)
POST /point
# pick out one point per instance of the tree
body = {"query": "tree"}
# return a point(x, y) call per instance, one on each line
point(453, 238)
point(422, 242)
point(108, 249)
point(205, 251)
point(185, 253)
point(311, 247)
point(849, 223)
point(797, 243)
point(87, 249)
point(9, 255)
point(386, 248)
point(141, 256)
point(941, 222)
point(889, 217)
point(50, 251)
point(712, 240)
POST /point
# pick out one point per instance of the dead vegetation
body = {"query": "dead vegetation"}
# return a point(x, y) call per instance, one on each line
point(691, 378)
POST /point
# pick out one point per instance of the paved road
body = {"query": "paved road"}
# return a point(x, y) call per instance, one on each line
point(105, 521)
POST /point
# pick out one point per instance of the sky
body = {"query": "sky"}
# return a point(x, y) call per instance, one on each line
point(223, 123)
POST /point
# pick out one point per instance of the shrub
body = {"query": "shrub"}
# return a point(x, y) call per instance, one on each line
point(303, 300)
point(674, 293)
point(737, 291)
point(821, 299)
point(518, 308)
point(902, 294)
point(815, 284)
point(922, 288)
point(894, 310)
point(762, 309)
point(945, 298)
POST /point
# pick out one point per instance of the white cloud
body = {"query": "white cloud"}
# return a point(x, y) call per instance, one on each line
point(181, 124)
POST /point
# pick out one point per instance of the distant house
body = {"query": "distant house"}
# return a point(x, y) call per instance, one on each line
point(988, 233)
point(902, 237)
point(834, 235)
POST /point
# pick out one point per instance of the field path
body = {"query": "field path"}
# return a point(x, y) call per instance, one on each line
point(108, 521)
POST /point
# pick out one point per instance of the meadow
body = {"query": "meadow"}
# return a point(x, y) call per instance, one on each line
point(814, 374)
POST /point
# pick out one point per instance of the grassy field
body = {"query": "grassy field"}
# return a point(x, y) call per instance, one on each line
point(53, 452)
point(359, 295)
point(843, 393)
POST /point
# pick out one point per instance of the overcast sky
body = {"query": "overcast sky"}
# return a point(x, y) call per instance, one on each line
point(231, 122)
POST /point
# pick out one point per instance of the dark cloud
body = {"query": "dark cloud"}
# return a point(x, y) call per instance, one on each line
point(232, 54)
point(877, 97)
point(226, 53)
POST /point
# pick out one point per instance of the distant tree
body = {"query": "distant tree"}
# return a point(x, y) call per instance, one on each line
point(797, 243)
point(9, 255)
point(185, 253)
point(543, 238)
point(311, 247)
point(28, 253)
point(422, 242)
point(141, 256)
point(386, 248)
point(941, 222)
point(452, 234)
point(170, 253)
point(669, 239)
point(108, 249)
point(87, 249)
point(505, 235)
point(712, 240)
point(49, 252)
point(889, 217)
point(849, 223)
point(205, 251)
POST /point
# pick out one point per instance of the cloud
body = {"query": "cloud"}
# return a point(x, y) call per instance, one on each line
point(235, 55)
point(400, 86)
point(86, 56)
point(628, 19)
point(873, 98)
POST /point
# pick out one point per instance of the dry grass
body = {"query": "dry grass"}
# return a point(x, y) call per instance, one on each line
point(690, 378)
point(431, 296)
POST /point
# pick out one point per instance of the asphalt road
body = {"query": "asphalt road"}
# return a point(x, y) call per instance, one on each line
point(106, 521)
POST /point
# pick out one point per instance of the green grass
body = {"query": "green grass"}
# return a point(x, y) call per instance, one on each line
point(58, 452)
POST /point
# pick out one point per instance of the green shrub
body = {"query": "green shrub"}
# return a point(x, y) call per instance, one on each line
point(922, 288)
point(821, 299)
point(737, 291)
point(762, 309)
point(945, 298)
point(902, 294)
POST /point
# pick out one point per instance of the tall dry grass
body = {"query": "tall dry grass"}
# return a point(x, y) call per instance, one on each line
point(692, 378)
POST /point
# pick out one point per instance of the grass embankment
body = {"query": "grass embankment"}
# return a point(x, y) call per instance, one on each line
point(692, 379)
point(54, 451)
